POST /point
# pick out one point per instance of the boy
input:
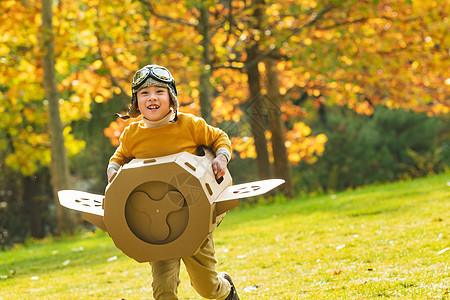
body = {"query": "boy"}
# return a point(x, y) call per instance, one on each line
point(163, 131)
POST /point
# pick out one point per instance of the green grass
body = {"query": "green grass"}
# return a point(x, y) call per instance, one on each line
point(384, 241)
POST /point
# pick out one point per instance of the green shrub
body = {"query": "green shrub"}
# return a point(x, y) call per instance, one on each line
point(387, 146)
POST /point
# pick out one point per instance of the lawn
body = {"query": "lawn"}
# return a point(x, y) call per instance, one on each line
point(388, 241)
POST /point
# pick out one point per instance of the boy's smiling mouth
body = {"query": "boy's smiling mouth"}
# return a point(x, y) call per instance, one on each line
point(153, 107)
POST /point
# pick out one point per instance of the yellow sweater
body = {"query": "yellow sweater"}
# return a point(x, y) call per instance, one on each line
point(186, 134)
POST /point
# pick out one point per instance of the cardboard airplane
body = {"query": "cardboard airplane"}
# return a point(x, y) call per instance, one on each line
point(163, 208)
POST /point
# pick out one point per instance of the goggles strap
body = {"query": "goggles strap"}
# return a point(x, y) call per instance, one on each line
point(123, 117)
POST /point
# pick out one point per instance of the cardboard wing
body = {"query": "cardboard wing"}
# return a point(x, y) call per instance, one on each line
point(82, 201)
point(163, 208)
point(228, 199)
point(91, 205)
point(249, 189)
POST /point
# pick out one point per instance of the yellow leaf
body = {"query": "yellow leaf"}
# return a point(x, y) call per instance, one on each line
point(97, 64)
point(99, 99)
point(62, 67)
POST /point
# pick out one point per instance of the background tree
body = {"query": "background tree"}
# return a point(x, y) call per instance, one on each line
point(256, 100)
point(368, 54)
point(59, 166)
point(277, 127)
point(258, 44)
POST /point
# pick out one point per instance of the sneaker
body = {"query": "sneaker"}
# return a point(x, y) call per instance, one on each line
point(233, 293)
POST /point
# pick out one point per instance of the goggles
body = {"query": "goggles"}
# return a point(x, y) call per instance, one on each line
point(156, 72)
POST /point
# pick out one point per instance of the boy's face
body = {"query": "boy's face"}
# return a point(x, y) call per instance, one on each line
point(154, 102)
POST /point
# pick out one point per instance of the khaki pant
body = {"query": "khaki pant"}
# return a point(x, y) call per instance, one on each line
point(201, 268)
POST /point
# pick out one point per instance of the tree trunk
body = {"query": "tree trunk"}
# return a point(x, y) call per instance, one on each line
point(31, 198)
point(59, 170)
point(257, 117)
point(281, 162)
point(256, 101)
point(205, 68)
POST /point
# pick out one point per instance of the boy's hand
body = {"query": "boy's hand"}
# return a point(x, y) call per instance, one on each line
point(219, 165)
point(111, 172)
